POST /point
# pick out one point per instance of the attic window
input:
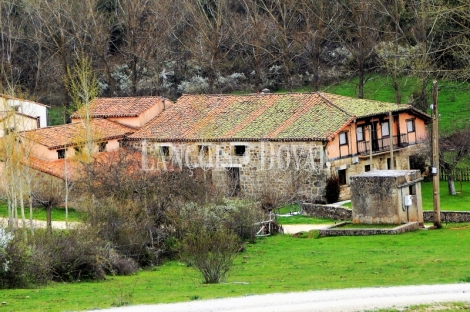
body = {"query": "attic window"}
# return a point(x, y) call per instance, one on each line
point(61, 154)
point(102, 146)
point(239, 150)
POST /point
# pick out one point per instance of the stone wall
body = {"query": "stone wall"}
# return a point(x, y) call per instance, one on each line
point(293, 170)
point(336, 230)
point(448, 216)
point(326, 211)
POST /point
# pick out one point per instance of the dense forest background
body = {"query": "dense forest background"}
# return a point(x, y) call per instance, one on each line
point(170, 47)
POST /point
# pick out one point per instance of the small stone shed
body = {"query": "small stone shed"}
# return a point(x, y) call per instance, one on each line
point(382, 197)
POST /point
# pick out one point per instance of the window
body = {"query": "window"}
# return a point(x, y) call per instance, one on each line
point(410, 125)
point(343, 138)
point(102, 146)
point(61, 153)
point(342, 176)
point(367, 168)
point(203, 150)
point(239, 150)
point(165, 151)
point(389, 164)
point(385, 129)
point(360, 133)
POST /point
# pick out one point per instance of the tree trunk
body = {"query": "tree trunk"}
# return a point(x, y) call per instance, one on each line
point(49, 219)
point(451, 185)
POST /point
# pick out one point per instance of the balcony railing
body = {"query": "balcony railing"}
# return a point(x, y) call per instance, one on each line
point(382, 144)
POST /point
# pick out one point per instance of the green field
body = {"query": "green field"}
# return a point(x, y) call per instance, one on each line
point(58, 214)
point(280, 263)
point(459, 202)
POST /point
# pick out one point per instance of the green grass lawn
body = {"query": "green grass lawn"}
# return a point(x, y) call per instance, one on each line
point(58, 214)
point(280, 263)
point(448, 202)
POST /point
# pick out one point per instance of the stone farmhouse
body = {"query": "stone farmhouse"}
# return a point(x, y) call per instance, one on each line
point(263, 145)
point(272, 145)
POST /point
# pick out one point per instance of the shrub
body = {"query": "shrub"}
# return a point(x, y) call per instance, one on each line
point(211, 251)
point(332, 189)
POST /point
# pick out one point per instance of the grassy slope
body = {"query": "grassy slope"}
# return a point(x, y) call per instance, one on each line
point(277, 264)
point(454, 98)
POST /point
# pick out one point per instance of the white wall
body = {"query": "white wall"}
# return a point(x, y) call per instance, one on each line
point(31, 109)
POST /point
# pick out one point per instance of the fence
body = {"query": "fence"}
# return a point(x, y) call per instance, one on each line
point(458, 174)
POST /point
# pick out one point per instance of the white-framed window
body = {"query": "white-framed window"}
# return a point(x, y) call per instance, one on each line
point(410, 125)
point(385, 129)
point(343, 138)
point(360, 133)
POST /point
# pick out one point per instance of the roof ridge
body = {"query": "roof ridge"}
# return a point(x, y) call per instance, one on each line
point(335, 105)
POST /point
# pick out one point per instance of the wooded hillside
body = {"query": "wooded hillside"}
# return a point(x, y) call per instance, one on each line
point(170, 47)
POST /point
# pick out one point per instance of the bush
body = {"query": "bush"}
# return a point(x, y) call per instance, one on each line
point(332, 189)
point(211, 251)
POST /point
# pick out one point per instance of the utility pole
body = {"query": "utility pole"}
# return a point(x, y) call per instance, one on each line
point(435, 156)
point(390, 135)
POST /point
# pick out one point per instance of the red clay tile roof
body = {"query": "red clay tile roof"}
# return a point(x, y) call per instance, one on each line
point(288, 116)
point(120, 106)
point(71, 168)
point(247, 117)
point(71, 134)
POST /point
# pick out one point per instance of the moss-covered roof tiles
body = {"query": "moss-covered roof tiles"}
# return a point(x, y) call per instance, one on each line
point(289, 116)
point(246, 117)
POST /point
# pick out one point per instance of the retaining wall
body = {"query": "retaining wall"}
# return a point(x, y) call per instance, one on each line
point(341, 213)
point(326, 211)
point(336, 230)
point(448, 216)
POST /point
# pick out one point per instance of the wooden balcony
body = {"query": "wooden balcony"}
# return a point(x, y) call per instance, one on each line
point(382, 144)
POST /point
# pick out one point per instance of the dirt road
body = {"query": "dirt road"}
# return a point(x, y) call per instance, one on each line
point(344, 300)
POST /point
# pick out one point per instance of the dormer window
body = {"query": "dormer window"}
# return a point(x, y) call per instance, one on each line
point(61, 154)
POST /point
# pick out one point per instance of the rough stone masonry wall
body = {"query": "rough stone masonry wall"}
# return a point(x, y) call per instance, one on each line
point(337, 231)
point(267, 168)
point(326, 211)
point(448, 216)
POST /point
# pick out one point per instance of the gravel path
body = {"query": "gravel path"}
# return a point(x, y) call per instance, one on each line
point(38, 224)
point(344, 300)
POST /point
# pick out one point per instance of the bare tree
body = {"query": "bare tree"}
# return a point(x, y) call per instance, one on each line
point(453, 150)
point(360, 33)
